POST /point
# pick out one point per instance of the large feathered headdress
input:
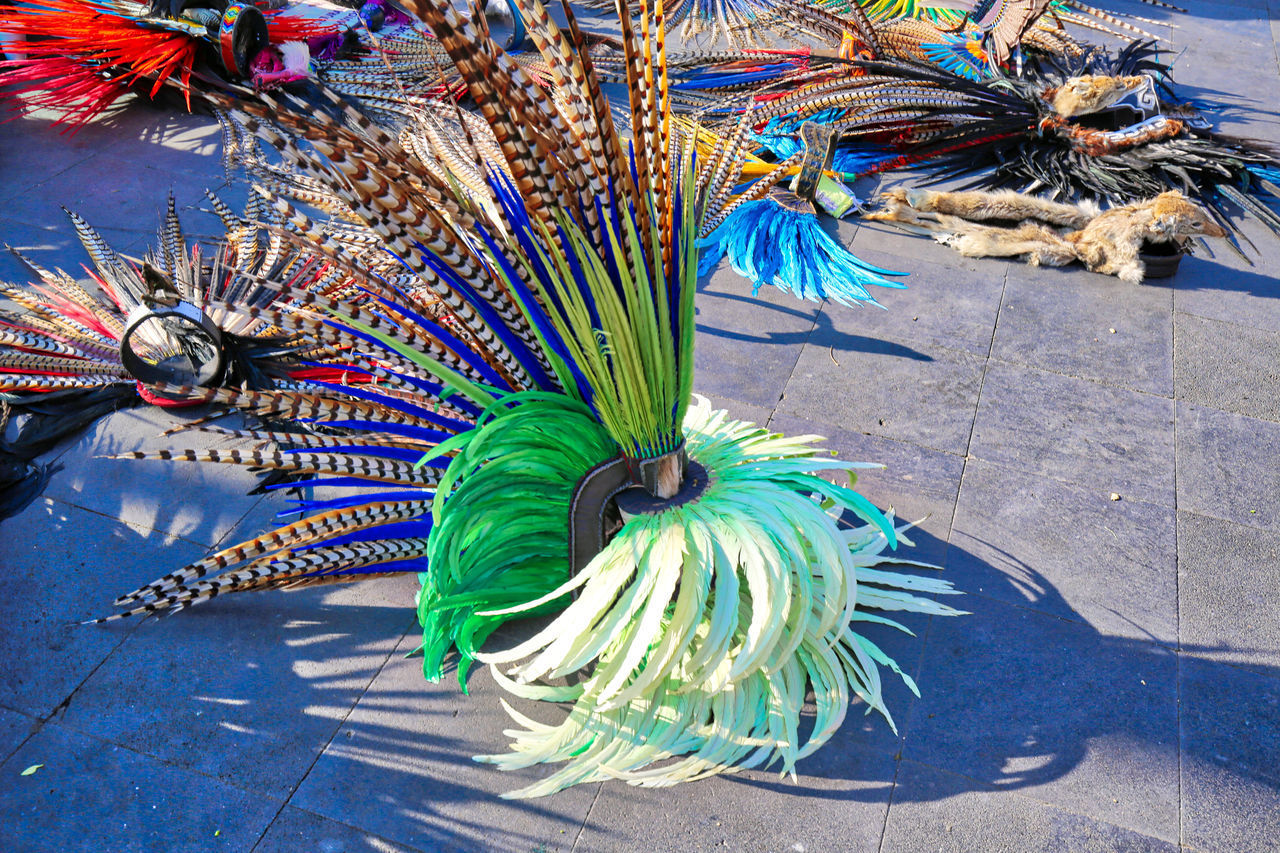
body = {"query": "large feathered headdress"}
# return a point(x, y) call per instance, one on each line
point(525, 436)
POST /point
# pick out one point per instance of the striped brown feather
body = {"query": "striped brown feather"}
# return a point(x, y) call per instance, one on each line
point(286, 569)
point(314, 528)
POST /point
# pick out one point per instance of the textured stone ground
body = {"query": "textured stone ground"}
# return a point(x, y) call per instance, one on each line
point(1117, 687)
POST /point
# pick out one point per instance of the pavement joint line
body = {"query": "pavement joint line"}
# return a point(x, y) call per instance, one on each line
point(60, 709)
point(1103, 489)
point(359, 829)
point(1177, 579)
point(893, 789)
point(333, 734)
point(21, 190)
point(977, 404)
point(132, 525)
point(225, 781)
point(587, 816)
point(35, 727)
point(1093, 379)
point(1245, 668)
point(993, 789)
point(982, 382)
point(822, 306)
point(218, 546)
point(1081, 622)
point(1232, 521)
point(900, 752)
point(1179, 312)
point(925, 636)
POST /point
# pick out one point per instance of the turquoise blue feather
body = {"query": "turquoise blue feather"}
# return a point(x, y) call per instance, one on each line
point(770, 244)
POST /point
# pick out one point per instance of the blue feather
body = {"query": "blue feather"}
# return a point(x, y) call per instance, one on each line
point(463, 351)
point(406, 430)
point(398, 530)
point(517, 347)
point(404, 454)
point(416, 564)
point(336, 482)
point(302, 505)
point(520, 225)
point(394, 403)
point(769, 244)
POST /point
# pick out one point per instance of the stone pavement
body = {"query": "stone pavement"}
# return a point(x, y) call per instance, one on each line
point(1117, 687)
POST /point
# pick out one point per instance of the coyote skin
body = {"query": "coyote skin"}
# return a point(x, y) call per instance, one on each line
point(1049, 233)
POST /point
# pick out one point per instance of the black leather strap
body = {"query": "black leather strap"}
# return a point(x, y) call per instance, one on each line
point(201, 340)
point(637, 501)
point(599, 486)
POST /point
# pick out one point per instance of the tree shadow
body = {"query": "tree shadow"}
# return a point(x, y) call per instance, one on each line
point(1217, 10)
point(1025, 692)
point(734, 316)
point(1202, 273)
point(308, 696)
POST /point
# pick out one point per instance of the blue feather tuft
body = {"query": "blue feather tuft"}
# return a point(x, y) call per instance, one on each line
point(769, 244)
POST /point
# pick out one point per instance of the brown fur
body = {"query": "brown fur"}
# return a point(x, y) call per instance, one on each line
point(1107, 242)
point(980, 206)
point(1088, 94)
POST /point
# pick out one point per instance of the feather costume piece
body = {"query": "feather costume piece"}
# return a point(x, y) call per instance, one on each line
point(730, 588)
point(1093, 126)
point(779, 241)
point(80, 56)
point(1100, 128)
point(178, 312)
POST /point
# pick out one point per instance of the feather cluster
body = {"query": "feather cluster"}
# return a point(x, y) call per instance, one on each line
point(495, 307)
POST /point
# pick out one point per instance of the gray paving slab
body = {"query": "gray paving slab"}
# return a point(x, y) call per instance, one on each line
point(1227, 366)
point(1217, 288)
point(201, 502)
point(296, 830)
point(747, 345)
point(1230, 757)
point(1070, 429)
point(1226, 466)
point(917, 483)
point(34, 151)
point(14, 729)
point(1067, 550)
point(53, 246)
point(401, 767)
point(260, 685)
point(64, 565)
point(1239, 18)
point(841, 808)
point(949, 302)
point(108, 192)
point(1087, 325)
point(946, 812)
point(1229, 592)
point(92, 795)
point(918, 395)
point(1026, 703)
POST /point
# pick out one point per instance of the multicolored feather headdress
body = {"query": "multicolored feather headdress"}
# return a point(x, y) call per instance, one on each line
point(523, 432)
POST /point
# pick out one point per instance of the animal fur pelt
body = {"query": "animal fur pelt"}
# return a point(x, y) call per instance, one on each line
point(1047, 233)
point(1099, 126)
